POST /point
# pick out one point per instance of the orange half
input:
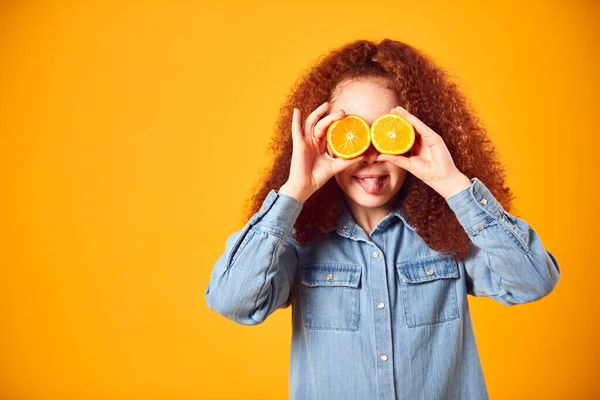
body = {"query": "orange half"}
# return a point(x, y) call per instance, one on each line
point(349, 137)
point(392, 134)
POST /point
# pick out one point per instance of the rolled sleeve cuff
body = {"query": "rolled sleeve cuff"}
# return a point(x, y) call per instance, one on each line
point(475, 206)
point(278, 214)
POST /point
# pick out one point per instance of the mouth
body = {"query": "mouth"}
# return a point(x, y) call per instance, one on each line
point(371, 183)
point(370, 176)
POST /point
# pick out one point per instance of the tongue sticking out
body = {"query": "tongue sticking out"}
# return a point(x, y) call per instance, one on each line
point(371, 185)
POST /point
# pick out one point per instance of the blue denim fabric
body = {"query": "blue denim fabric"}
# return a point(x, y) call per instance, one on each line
point(381, 316)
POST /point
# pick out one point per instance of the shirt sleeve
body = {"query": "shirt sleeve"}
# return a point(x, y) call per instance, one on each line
point(507, 260)
point(254, 275)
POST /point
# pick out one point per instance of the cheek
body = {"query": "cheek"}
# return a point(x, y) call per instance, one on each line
point(343, 178)
point(397, 176)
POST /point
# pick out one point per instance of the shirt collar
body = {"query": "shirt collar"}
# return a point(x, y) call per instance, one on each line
point(347, 224)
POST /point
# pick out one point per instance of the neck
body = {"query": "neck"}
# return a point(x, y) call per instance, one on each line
point(368, 217)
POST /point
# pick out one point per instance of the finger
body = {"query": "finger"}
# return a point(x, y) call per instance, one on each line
point(324, 123)
point(340, 164)
point(329, 157)
point(296, 128)
point(330, 152)
point(313, 118)
point(398, 160)
point(426, 132)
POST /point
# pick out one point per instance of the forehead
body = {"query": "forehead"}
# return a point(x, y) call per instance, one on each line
point(367, 97)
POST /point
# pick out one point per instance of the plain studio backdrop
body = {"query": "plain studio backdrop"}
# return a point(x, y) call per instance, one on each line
point(132, 132)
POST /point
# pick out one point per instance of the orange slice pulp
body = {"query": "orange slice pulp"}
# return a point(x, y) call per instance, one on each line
point(349, 136)
point(392, 134)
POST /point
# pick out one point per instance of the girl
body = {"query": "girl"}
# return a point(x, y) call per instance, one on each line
point(377, 263)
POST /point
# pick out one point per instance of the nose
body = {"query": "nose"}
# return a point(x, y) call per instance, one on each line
point(371, 155)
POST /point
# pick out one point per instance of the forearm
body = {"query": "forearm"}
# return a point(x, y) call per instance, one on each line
point(508, 260)
point(254, 275)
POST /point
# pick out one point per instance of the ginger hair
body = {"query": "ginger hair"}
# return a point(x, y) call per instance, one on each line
point(426, 91)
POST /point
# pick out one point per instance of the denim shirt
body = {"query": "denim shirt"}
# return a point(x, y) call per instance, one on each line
point(380, 316)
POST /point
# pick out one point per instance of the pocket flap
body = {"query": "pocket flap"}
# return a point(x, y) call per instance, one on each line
point(427, 269)
point(323, 274)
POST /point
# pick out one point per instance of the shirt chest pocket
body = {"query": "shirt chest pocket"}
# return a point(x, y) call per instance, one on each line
point(330, 295)
point(428, 290)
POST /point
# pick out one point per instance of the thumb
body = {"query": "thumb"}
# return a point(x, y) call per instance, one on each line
point(399, 160)
point(340, 164)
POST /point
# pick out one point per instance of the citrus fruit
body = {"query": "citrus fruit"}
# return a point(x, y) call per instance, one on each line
point(392, 134)
point(349, 136)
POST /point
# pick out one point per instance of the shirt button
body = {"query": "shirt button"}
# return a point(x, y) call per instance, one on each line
point(344, 228)
point(380, 305)
point(429, 271)
point(329, 277)
point(483, 201)
point(376, 254)
point(383, 357)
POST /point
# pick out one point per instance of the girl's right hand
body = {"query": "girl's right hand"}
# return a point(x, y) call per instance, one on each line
point(311, 166)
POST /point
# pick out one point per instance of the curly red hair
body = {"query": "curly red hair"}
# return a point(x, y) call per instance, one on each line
point(426, 91)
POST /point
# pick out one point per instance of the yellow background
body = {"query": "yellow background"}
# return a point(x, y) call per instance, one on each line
point(131, 134)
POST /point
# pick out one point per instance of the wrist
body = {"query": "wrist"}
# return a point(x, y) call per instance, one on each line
point(294, 192)
point(452, 185)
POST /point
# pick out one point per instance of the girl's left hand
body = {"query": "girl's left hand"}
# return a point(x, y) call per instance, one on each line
point(430, 161)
